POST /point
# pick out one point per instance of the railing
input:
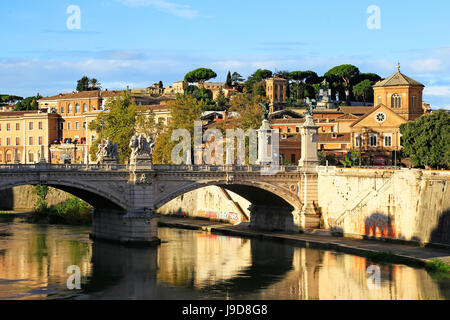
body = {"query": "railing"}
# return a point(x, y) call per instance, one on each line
point(123, 167)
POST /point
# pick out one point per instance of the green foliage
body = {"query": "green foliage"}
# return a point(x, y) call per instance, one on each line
point(201, 94)
point(6, 99)
point(346, 73)
point(303, 86)
point(367, 76)
point(363, 90)
point(27, 104)
point(41, 204)
point(200, 75)
point(86, 84)
point(185, 110)
point(222, 102)
point(438, 269)
point(83, 84)
point(73, 212)
point(426, 141)
point(258, 76)
point(247, 105)
point(353, 160)
point(236, 78)
point(119, 125)
point(229, 82)
point(259, 88)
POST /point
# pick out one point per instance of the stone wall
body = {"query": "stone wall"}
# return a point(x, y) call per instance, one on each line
point(411, 205)
point(209, 202)
point(23, 198)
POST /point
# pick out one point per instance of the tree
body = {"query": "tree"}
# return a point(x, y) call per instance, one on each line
point(95, 84)
point(236, 78)
point(119, 125)
point(363, 90)
point(185, 110)
point(83, 84)
point(258, 76)
point(27, 104)
point(303, 76)
point(426, 141)
point(200, 94)
point(160, 85)
point(200, 75)
point(367, 76)
point(221, 101)
point(346, 73)
point(285, 75)
point(6, 99)
point(249, 110)
point(229, 82)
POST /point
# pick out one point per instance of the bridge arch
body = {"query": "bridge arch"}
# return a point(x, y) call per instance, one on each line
point(97, 197)
point(255, 192)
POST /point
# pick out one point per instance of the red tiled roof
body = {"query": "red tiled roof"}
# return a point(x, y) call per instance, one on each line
point(334, 137)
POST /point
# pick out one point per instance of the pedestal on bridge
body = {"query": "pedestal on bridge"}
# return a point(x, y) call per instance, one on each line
point(130, 228)
point(307, 216)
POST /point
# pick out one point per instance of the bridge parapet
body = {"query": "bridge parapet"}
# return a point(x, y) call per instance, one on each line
point(123, 167)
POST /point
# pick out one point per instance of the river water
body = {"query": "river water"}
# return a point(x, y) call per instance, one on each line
point(193, 265)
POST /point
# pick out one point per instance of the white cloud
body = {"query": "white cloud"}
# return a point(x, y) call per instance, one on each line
point(176, 9)
point(442, 91)
point(426, 65)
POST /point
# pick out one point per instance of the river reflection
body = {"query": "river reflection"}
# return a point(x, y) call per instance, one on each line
point(192, 265)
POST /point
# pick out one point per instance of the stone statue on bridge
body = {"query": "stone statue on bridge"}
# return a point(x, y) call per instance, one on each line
point(107, 151)
point(141, 149)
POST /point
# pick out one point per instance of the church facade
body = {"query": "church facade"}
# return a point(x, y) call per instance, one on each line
point(376, 135)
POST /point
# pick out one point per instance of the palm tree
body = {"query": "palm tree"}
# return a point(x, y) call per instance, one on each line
point(95, 84)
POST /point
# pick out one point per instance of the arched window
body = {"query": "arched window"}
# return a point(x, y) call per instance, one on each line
point(77, 108)
point(396, 101)
point(85, 108)
point(8, 156)
point(1, 156)
point(70, 109)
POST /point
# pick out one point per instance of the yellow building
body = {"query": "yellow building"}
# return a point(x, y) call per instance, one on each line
point(401, 94)
point(276, 92)
point(376, 135)
point(23, 133)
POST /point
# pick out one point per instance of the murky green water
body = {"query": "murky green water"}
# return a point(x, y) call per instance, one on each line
point(192, 265)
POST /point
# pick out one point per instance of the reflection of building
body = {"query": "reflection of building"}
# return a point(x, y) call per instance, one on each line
point(203, 260)
point(22, 134)
point(35, 260)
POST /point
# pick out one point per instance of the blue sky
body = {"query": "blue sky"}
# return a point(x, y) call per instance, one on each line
point(139, 42)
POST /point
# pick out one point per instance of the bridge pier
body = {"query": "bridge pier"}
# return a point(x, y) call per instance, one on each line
point(126, 228)
point(273, 218)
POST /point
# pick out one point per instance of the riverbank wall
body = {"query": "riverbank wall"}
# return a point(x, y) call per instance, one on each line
point(23, 198)
point(406, 205)
point(213, 203)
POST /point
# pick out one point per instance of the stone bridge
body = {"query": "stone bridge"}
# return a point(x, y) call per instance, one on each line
point(126, 197)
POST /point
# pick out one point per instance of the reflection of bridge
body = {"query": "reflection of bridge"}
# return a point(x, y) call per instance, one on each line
point(126, 197)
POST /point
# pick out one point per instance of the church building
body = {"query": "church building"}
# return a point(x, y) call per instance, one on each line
point(376, 135)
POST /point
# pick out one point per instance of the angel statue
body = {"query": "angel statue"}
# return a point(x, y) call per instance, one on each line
point(141, 148)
